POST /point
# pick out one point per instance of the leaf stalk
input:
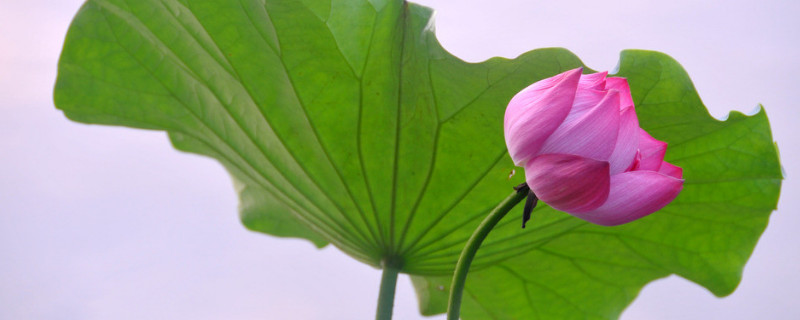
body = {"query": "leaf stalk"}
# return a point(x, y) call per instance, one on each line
point(386, 294)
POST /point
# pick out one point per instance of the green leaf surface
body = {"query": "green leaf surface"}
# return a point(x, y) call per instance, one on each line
point(346, 122)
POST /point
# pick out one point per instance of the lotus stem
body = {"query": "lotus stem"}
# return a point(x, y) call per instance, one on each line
point(474, 242)
point(386, 294)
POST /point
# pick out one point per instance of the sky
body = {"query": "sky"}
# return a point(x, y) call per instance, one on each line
point(113, 223)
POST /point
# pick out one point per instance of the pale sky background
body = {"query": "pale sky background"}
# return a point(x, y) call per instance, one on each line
point(112, 223)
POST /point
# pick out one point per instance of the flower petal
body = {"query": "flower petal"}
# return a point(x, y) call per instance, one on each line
point(594, 135)
point(591, 90)
point(532, 116)
point(651, 151)
point(585, 101)
point(568, 182)
point(522, 100)
point(633, 195)
point(627, 142)
point(621, 85)
point(594, 81)
point(671, 170)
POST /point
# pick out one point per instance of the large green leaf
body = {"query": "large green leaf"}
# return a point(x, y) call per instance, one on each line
point(345, 121)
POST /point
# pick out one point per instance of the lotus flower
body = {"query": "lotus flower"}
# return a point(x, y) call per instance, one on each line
point(578, 138)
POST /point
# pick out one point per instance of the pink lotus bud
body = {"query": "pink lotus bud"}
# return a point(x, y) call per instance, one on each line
point(579, 140)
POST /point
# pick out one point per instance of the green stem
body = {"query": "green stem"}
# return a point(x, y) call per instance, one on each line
point(474, 242)
point(386, 295)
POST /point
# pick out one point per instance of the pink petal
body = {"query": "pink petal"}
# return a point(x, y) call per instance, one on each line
point(627, 142)
point(651, 150)
point(585, 101)
point(594, 135)
point(568, 182)
point(633, 195)
point(521, 101)
point(621, 85)
point(671, 170)
point(537, 115)
point(591, 89)
point(594, 81)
